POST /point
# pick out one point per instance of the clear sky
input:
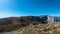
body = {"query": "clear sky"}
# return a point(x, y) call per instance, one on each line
point(10, 8)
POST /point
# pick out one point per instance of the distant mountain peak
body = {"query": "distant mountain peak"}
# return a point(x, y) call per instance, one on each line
point(18, 22)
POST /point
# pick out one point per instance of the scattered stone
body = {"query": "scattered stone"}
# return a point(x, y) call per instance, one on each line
point(42, 29)
point(58, 29)
point(33, 26)
point(51, 31)
point(34, 29)
point(29, 28)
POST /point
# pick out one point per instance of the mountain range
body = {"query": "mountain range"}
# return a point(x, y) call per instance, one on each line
point(14, 23)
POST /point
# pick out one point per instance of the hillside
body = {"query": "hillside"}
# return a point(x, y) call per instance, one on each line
point(53, 28)
point(15, 23)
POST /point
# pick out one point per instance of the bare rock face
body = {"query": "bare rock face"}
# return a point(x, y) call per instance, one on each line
point(50, 19)
point(13, 23)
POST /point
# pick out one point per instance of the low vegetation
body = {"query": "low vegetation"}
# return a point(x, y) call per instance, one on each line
point(53, 28)
point(29, 25)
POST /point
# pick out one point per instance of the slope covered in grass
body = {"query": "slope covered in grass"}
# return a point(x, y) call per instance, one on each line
point(53, 28)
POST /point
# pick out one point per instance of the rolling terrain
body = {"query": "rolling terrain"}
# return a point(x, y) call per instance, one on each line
point(53, 28)
point(29, 25)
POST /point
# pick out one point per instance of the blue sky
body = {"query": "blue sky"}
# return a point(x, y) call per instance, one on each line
point(10, 8)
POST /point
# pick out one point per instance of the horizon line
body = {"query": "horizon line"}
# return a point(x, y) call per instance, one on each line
point(29, 15)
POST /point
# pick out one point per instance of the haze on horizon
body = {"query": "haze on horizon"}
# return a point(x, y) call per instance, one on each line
point(10, 8)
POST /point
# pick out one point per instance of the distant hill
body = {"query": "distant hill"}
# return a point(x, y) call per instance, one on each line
point(14, 23)
point(57, 18)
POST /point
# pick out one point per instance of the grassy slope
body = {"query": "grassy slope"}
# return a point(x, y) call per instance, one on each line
point(53, 28)
point(44, 29)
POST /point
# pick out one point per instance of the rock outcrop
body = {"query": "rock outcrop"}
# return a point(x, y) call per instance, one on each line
point(13, 23)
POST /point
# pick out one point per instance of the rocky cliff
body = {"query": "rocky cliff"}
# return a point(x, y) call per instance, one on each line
point(14, 23)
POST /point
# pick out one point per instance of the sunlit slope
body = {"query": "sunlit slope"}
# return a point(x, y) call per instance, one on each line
point(53, 28)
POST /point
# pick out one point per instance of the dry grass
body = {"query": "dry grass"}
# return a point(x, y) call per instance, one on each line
point(53, 28)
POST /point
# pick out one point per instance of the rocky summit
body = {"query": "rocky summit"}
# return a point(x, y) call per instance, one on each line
point(14, 23)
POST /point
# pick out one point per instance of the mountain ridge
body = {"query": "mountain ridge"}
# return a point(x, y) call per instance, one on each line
point(13, 23)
